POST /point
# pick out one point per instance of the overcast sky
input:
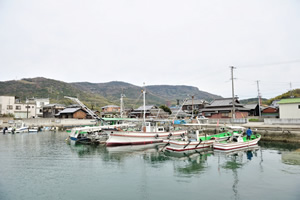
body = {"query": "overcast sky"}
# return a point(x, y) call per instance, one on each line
point(187, 42)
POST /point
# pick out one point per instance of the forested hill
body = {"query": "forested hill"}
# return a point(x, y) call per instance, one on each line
point(99, 94)
point(158, 95)
point(49, 88)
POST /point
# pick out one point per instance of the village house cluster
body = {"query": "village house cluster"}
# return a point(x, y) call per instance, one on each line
point(216, 109)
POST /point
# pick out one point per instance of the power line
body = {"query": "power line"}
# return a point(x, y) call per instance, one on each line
point(270, 64)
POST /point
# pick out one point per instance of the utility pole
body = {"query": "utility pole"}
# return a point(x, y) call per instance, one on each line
point(144, 98)
point(233, 101)
point(259, 98)
point(193, 107)
point(291, 90)
point(122, 105)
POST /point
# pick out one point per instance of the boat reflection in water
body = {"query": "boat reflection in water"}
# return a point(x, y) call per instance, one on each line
point(192, 163)
point(235, 160)
point(84, 150)
point(122, 152)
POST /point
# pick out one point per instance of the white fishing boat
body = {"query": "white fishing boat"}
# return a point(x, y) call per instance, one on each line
point(19, 127)
point(237, 142)
point(201, 142)
point(150, 133)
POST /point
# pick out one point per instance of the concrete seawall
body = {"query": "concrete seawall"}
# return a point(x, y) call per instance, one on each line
point(48, 122)
point(269, 132)
point(283, 133)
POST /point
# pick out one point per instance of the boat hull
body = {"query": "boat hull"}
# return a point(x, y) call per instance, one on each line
point(119, 138)
point(185, 146)
point(235, 145)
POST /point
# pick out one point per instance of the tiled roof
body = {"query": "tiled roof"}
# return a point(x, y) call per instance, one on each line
point(69, 110)
point(250, 106)
point(223, 102)
point(194, 102)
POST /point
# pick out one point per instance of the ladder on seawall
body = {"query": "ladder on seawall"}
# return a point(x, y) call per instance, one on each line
point(84, 107)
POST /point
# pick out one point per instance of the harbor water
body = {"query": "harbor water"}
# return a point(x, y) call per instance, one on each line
point(35, 166)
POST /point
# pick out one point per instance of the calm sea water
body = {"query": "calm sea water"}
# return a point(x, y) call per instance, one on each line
point(44, 166)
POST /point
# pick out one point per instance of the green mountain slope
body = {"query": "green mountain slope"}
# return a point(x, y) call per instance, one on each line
point(48, 88)
point(113, 90)
point(96, 95)
point(174, 92)
point(157, 95)
point(295, 93)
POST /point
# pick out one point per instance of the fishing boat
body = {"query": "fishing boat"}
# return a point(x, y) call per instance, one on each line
point(88, 135)
point(237, 142)
point(19, 127)
point(150, 132)
point(201, 142)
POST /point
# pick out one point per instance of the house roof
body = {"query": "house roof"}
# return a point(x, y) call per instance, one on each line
point(110, 106)
point(223, 109)
point(147, 107)
point(195, 102)
point(223, 102)
point(69, 110)
point(250, 106)
point(289, 101)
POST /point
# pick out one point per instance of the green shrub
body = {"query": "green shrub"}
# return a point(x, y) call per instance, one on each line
point(253, 120)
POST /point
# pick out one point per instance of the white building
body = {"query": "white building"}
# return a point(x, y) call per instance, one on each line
point(289, 108)
point(11, 105)
point(40, 103)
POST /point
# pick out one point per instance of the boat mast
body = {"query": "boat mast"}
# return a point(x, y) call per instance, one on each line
point(144, 99)
point(233, 99)
point(122, 105)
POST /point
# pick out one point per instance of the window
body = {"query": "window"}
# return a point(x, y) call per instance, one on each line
point(298, 106)
point(9, 107)
point(18, 107)
point(224, 114)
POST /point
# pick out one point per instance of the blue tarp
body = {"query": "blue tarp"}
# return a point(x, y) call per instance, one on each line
point(179, 122)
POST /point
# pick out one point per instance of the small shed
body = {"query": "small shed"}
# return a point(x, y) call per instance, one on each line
point(50, 110)
point(76, 113)
point(253, 109)
point(110, 111)
point(289, 108)
point(270, 112)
